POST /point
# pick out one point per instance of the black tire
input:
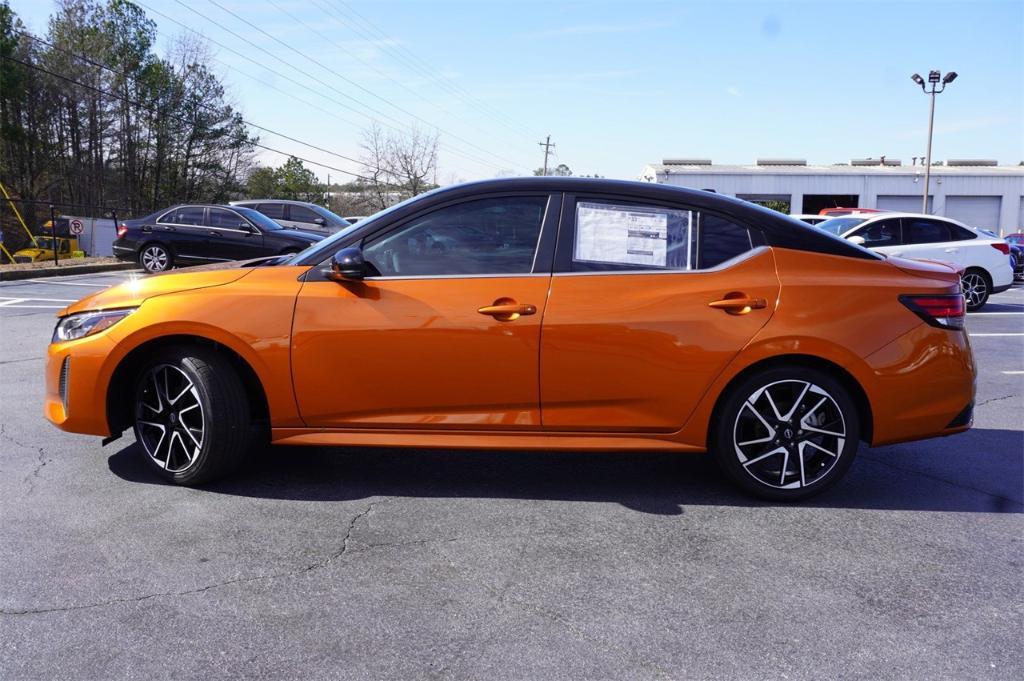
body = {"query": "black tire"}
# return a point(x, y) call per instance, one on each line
point(154, 257)
point(976, 286)
point(746, 426)
point(211, 440)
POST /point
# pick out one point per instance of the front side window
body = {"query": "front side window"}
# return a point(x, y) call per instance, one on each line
point(921, 231)
point(486, 236)
point(186, 215)
point(881, 233)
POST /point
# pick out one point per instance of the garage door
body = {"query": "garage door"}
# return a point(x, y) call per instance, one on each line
point(903, 204)
point(976, 211)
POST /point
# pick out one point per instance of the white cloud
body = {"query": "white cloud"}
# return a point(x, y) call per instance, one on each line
point(734, 91)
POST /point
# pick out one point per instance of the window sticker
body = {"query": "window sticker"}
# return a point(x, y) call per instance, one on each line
point(627, 235)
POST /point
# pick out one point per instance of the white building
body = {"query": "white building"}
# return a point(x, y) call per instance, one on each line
point(978, 193)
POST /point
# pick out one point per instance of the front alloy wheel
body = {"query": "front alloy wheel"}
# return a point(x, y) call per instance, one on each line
point(169, 418)
point(975, 288)
point(786, 434)
point(191, 415)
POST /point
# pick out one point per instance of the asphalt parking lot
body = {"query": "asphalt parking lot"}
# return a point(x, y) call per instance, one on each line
point(380, 563)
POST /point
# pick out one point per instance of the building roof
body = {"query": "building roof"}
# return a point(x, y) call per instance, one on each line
point(840, 169)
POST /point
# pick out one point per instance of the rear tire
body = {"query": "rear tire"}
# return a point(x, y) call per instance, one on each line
point(191, 415)
point(155, 258)
point(786, 433)
point(976, 286)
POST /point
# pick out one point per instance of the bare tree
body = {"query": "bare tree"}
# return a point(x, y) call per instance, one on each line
point(396, 166)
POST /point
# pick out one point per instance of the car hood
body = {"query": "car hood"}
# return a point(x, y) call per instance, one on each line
point(134, 291)
point(32, 252)
point(929, 269)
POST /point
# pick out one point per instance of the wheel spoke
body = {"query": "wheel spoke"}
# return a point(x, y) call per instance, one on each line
point(796, 403)
point(760, 418)
point(800, 456)
point(765, 456)
point(162, 435)
point(775, 410)
point(816, 446)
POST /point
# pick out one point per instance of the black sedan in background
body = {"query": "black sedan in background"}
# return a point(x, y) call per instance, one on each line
point(194, 234)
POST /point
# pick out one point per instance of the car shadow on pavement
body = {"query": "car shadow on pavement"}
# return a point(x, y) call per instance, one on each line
point(978, 471)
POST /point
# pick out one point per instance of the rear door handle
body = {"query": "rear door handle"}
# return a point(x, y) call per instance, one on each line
point(952, 250)
point(507, 309)
point(738, 303)
point(213, 233)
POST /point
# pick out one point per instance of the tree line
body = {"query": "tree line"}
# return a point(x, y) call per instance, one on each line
point(90, 115)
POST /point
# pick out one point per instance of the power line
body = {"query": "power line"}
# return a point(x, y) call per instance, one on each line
point(373, 67)
point(405, 55)
point(200, 104)
point(352, 82)
point(288, 78)
point(152, 110)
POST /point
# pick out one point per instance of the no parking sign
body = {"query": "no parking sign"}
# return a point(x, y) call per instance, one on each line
point(76, 227)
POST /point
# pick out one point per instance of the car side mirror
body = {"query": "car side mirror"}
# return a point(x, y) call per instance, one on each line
point(246, 227)
point(320, 221)
point(859, 240)
point(347, 265)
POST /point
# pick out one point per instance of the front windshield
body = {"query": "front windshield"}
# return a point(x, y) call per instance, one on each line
point(44, 242)
point(839, 226)
point(258, 219)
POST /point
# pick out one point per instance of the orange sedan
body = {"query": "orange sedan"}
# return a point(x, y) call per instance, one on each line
point(534, 313)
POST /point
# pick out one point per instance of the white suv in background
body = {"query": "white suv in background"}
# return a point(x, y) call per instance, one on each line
point(985, 258)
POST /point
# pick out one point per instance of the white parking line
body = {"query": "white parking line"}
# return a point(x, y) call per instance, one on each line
point(976, 315)
point(12, 301)
point(985, 335)
point(65, 283)
point(1014, 373)
point(45, 300)
point(35, 307)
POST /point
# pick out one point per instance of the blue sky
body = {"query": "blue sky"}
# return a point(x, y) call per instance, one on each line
point(618, 84)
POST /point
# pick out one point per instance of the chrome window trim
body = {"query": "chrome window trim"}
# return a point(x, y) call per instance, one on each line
point(178, 224)
point(746, 255)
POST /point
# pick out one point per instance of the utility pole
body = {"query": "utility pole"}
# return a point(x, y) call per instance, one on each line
point(548, 146)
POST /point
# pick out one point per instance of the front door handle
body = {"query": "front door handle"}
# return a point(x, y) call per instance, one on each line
point(738, 303)
point(952, 250)
point(507, 309)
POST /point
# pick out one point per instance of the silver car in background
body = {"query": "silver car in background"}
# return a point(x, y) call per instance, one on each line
point(301, 215)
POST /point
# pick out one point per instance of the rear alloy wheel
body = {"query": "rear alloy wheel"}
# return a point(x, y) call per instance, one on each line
point(786, 434)
point(975, 286)
point(191, 416)
point(155, 258)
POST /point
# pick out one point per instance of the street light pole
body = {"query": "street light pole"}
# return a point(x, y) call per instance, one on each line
point(934, 77)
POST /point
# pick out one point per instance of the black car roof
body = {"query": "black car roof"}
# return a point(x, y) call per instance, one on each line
point(780, 230)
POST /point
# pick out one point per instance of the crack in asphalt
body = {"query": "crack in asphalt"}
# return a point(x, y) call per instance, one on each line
point(993, 399)
point(17, 361)
point(30, 478)
point(313, 567)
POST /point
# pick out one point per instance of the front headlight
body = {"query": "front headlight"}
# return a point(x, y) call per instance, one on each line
point(85, 324)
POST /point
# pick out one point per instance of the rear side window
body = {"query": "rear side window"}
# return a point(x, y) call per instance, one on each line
point(225, 219)
point(626, 237)
point(274, 211)
point(186, 215)
point(922, 231)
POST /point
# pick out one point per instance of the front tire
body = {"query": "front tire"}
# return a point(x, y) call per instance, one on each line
point(976, 286)
point(191, 415)
point(787, 433)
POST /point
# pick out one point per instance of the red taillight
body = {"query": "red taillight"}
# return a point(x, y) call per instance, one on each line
point(946, 312)
point(122, 229)
point(1003, 248)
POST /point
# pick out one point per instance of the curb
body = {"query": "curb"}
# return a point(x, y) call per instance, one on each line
point(12, 275)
